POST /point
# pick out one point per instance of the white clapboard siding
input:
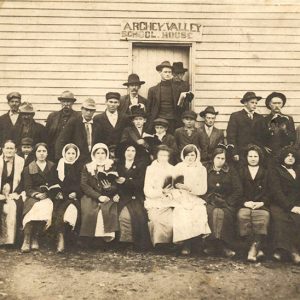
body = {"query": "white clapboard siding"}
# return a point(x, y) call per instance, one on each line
point(47, 47)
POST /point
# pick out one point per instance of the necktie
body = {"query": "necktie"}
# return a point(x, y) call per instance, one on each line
point(88, 135)
point(250, 116)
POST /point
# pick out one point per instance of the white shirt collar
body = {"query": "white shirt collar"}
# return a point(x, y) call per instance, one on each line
point(87, 122)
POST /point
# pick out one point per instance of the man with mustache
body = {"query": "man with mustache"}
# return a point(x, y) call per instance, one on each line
point(132, 98)
point(57, 121)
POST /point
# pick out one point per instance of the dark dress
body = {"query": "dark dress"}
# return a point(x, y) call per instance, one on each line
point(223, 197)
point(285, 194)
point(132, 197)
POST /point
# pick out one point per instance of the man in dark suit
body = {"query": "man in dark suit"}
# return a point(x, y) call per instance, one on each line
point(275, 130)
point(28, 127)
point(240, 129)
point(132, 98)
point(110, 122)
point(57, 121)
point(163, 99)
point(11, 119)
point(82, 131)
point(213, 135)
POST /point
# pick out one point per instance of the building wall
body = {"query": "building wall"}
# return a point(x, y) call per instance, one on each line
point(47, 47)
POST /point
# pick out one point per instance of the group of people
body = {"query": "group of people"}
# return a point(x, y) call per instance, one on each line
point(143, 172)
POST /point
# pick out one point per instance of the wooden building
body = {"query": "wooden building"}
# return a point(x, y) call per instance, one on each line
point(90, 46)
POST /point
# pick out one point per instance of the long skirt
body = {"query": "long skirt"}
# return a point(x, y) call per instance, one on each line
point(35, 210)
point(253, 221)
point(285, 229)
point(222, 223)
point(8, 223)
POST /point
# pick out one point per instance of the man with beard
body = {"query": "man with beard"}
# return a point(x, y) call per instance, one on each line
point(11, 119)
point(57, 121)
point(132, 98)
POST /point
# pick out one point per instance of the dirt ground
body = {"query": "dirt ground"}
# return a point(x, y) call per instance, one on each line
point(125, 274)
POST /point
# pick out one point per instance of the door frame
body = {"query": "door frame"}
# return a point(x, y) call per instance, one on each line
point(192, 55)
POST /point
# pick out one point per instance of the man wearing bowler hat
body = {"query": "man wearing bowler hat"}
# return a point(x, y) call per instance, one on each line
point(11, 119)
point(111, 122)
point(276, 130)
point(133, 85)
point(82, 131)
point(213, 135)
point(241, 125)
point(57, 121)
point(28, 126)
point(163, 98)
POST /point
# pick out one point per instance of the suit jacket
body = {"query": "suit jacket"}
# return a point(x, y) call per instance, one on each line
point(7, 128)
point(54, 132)
point(110, 135)
point(125, 103)
point(75, 133)
point(216, 137)
point(154, 101)
point(241, 130)
point(275, 141)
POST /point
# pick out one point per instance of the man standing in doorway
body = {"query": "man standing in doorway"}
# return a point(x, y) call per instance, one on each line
point(163, 98)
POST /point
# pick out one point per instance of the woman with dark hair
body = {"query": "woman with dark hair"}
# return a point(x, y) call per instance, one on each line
point(38, 206)
point(99, 212)
point(190, 212)
point(284, 183)
point(253, 216)
point(132, 214)
point(67, 174)
point(223, 197)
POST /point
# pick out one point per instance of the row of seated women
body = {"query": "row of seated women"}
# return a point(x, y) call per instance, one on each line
point(127, 200)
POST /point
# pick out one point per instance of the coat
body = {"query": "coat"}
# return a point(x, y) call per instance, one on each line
point(216, 137)
point(75, 133)
point(54, 132)
point(241, 130)
point(154, 101)
point(125, 103)
point(110, 135)
point(7, 128)
point(256, 189)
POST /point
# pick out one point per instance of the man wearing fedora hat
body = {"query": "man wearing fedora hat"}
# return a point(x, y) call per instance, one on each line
point(11, 119)
point(241, 125)
point(133, 85)
point(178, 73)
point(275, 130)
point(163, 98)
point(28, 126)
point(82, 131)
point(111, 122)
point(57, 121)
point(213, 135)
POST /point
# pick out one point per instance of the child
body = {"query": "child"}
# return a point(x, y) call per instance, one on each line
point(188, 134)
point(26, 150)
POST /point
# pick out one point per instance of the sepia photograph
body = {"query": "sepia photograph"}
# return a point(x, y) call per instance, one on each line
point(149, 149)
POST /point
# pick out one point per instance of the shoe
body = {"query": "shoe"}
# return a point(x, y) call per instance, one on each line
point(60, 243)
point(35, 244)
point(252, 254)
point(209, 251)
point(27, 238)
point(277, 256)
point(228, 252)
point(260, 255)
point(295, 258)
point(25, 247)
point(186, 250)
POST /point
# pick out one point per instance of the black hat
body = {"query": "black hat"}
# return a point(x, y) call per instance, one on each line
point(27, 141)
point(249, 96)
point(164, 64)
point(275, 95)
point(13, 95)
point(178, 68)
point(208, 110)
point(189, 114)
point(161, 121)
point(112, 95)
point(67, 95)
point(137, 111)
point(133, 79)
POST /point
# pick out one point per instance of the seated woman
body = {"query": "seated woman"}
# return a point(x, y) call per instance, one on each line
point(223, 197)
point(284, 182)
point(254, 217)
point(132, 214)
point(38, 206)
point(67, 175)
point(11, 203)
point(99, 211)
point(190, 213)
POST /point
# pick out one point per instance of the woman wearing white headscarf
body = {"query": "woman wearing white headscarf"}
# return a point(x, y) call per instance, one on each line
point(99, 213)
point(67, 174)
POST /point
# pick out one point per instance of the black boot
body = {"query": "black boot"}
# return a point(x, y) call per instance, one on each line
point(27, 238)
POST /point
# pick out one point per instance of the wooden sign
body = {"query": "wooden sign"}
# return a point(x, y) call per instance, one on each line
point(159, 30)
